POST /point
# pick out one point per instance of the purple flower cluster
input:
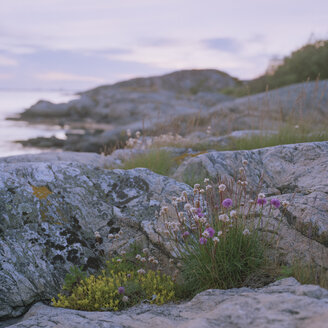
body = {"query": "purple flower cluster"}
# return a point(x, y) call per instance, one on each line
point(199, 212)
point(202, 241)
point(275, 202)
point(262, 201)
point(210, 231)
point(227, 203)
point(121, 290)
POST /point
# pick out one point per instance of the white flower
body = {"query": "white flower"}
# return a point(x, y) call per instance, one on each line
point(193, 209)
point(222, 187)
point(110, 236)
point(285, 203)
point(244, 162)
point(187, 207)
point(216, 240)
point(151, 259)
point(261, 195)
point(246, 232)
point(119, 260)
point(205, 234)
point(125, 299)
point(208, 187)
point(141, 271)
point(138, 256)
point(233, 214)
point(202, 191)
point(241, 170)
point(145, 250)
point(117, 236)
point(138, 134)
point(206, 180)
point(224, 218)
point(97, 234)
point(197, 186)
point(219, 233)
point(143, 260)
point(155, 261)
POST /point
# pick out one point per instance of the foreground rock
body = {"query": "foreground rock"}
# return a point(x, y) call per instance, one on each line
point(284, 304)
point(50, 211)
point(295, 173)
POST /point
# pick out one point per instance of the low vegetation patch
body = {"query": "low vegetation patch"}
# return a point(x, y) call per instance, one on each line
point(158, 161)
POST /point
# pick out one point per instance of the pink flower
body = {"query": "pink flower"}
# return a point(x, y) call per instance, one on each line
point(199, 212)
point(202, 241)
point(185, 234)
point(275, 202)
point(210, 231)
point(227, 203)
point(262, 201)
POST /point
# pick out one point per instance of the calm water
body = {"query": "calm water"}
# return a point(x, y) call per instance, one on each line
point(14, 102)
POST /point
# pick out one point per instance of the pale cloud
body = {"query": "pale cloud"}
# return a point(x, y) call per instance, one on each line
point(7, 61)
point(63, 76)
point(223, 44)
point(6, 76)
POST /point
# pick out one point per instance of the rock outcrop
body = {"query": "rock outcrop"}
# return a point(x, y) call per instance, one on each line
point(50, 210)
point(284, 304)
point(296, 173)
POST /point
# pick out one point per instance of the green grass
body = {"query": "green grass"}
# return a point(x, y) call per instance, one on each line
point(305, 273)
point(285, 135)
point(305, 64)
point(158, 161)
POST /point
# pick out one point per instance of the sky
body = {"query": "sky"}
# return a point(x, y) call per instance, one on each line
point(79, 44)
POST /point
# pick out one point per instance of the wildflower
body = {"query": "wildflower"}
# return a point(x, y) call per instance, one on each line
point(123, 253)
point(227, 203)
point(219, 233)
point(203, 220)
point(222, 187)
point(151, 259)
point(143, 260)
point(117, 236)
point(193, 210)
point(206, 180)
point(121, 290)
point(244, 162)
point(224, 218)
point(138, 257)
point(199, 212)
point(119, 260)
point(97, 234)
point(216, 240)
point(138, 134)
point(210, 232)
point(141, 271)
point(128, 132)
point(251, 201)
point(125, 299)
point(275, 202)
point(246, 232)
point(185, 234)
point(262, 201)
point(205, 234)
point(233, 214)
point(208, 187)
point(171, 261)
point(285, 203)
point(128, 275)
point(202, 241)
point(110, 236)
point(202, 191)
point(241, 170)
point(164, 209)
point(145, 250)
point(261, 195)
point(197, 186)
point(187, 207)
point(244, 183)
point(155, 261)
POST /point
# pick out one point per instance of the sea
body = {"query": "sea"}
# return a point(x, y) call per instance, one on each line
point(13, 102)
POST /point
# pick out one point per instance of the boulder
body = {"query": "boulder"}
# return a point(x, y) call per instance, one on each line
point(283, 304)
point(50, 208)
point(296, 173)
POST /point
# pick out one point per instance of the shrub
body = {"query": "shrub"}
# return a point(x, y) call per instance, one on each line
point(117, 287)
point(217, 236)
